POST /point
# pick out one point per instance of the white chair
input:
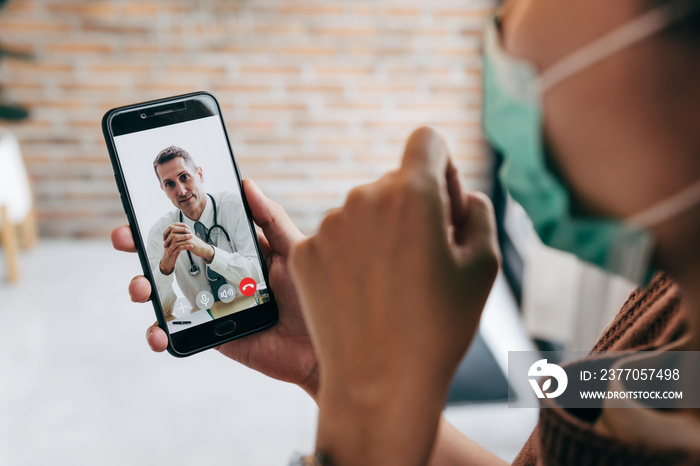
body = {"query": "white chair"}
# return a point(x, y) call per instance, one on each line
point(16, 206)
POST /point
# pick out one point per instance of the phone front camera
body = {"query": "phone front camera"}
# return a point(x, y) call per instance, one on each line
point(143, 116)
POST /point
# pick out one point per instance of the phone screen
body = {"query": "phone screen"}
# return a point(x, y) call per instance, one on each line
point(186, 200)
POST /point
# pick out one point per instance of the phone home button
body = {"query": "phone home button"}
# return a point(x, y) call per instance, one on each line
point(225, 328)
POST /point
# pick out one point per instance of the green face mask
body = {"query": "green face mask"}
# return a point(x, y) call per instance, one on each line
point(512, 122)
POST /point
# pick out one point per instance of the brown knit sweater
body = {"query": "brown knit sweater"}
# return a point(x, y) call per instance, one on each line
point(652, 317)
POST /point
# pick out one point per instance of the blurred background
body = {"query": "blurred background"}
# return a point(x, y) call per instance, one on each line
point(318, 96)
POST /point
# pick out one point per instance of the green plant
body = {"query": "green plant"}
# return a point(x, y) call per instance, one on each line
point(11, 111)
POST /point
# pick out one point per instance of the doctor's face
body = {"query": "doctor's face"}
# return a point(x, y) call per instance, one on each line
point(183, 186)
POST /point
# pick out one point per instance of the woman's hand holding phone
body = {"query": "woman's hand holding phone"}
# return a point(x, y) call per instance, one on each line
point(392, 288)
point(284, 351)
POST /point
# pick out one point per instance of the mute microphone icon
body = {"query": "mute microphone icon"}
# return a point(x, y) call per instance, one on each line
point(204, 299)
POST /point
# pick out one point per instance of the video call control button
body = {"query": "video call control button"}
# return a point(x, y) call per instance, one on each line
point(225, 328)
point(204, 300)
point(182, 307)
point(248, 286)
point(227, 293)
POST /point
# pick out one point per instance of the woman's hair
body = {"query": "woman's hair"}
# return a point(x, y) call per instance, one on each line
point(687, 30)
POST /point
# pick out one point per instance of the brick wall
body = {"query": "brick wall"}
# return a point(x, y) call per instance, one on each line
point(318, 96)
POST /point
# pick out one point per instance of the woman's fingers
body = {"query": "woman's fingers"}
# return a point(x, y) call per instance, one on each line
point(156, 338)
point(426, 154)
point(475, 229)
point(428, 170)
point(140, 289)
point(454, 191)
point(122, 240)
point(264, 246)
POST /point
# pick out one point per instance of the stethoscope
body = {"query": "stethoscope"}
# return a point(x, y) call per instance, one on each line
point(194, 268)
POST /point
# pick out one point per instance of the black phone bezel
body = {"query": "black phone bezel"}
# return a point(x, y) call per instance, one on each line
point(164, 112)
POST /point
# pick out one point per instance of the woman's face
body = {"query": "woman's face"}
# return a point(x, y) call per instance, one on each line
point(614, 129)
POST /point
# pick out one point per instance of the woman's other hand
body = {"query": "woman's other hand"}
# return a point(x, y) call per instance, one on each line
point(392, 287)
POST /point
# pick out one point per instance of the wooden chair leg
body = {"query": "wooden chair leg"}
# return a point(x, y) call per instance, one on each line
point(9, 243)
point(29, 230)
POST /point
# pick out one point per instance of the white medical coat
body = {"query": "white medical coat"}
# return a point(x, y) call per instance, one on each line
point(233, 266)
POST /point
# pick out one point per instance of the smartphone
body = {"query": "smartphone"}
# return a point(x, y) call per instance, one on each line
point(182, 193)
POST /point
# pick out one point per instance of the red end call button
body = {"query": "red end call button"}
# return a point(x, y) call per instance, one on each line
point(248, 286)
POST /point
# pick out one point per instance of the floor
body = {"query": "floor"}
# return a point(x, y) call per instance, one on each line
point(79, 386)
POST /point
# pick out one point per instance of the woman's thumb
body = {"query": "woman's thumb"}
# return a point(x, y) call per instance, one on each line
point(278, 228)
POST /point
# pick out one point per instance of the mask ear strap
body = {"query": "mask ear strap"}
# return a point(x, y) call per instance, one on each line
point(619, 39)
point(667, 209)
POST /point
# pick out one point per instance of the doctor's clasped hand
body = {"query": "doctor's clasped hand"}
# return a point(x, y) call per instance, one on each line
point(392, 288)
point(178, 237)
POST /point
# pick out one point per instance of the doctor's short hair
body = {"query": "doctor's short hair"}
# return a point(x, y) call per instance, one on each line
point(170, 153)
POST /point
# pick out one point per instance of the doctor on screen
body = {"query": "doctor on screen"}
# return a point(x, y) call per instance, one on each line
point(205, 242)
